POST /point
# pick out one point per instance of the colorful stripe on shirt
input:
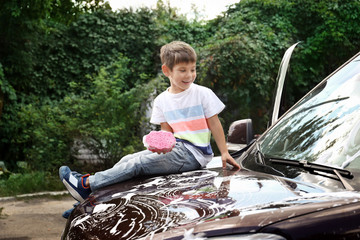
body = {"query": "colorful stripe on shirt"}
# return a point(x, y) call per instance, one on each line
point(190, 124)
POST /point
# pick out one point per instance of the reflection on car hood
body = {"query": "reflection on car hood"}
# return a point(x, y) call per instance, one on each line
point(166, 205)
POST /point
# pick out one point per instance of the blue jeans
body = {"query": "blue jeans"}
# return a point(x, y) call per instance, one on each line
point(143, 163)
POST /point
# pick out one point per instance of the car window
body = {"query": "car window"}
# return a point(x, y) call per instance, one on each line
point(324, 127)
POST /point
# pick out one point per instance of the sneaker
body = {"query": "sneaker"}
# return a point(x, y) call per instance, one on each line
point(67, 213)
point(75, 183)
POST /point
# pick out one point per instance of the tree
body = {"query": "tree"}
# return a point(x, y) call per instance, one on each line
point(240, 61)
point(23, 29)
point(66, 53)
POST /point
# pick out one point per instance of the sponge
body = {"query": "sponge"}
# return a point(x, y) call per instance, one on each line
point(159, 141)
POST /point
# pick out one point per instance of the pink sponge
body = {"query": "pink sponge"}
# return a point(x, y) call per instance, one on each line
point(159, 141)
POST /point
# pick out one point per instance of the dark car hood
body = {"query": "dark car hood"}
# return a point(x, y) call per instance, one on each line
point(167, 205)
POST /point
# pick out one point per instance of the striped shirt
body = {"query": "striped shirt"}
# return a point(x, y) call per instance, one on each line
point(186, 113)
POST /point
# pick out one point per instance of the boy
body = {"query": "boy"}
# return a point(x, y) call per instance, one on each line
point(186, 109)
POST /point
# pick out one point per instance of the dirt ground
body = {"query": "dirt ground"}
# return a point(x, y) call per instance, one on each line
point(34, 218)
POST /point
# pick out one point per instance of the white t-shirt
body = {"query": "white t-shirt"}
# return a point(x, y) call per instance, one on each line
point(186, 113)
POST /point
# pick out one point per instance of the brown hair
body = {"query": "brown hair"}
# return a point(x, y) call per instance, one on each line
point(177, 52)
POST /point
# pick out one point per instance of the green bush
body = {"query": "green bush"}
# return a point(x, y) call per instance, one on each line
point(29, 183)
point(241, 59)
point(108, 118)
point(111, 119)
point(55, 87)
point(46, 138)
point(243, 84)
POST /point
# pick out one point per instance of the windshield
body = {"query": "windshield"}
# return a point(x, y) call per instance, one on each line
point(324, 127)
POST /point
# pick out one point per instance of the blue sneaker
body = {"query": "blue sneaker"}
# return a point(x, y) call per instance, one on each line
point(75, 183)
point(67, 213)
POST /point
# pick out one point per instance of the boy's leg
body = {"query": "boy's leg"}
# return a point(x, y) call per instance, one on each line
point(76, 182)
point(132, 156)
point(180, 159)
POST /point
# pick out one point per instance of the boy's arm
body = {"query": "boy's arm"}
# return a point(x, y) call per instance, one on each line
point(219, 136)
point(166, 127)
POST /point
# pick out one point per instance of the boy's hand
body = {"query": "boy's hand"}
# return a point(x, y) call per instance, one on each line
point(218, 133)
point(227, 158)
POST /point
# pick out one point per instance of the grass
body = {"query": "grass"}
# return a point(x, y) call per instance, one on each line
point(22, 183)
point(2, 215)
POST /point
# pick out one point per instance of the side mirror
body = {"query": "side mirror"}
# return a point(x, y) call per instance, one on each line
point(240, 134)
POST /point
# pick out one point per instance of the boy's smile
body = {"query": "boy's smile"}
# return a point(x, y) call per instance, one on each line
point(181, 76)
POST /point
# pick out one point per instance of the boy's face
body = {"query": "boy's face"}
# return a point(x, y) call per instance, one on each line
point(181, 76)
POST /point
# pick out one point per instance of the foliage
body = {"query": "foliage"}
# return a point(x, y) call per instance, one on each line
point(328, 32)
point(23, 26)
point(45, 139)
point(239, 82)
point(4, 87)
point(28, 183)
point(76, 71)
point(23, 30)
point(240, 61)
point(93, 41)
point(106, 118)
point(2, 215)
point(66, 55)
point(111, 118)
point(172, 26)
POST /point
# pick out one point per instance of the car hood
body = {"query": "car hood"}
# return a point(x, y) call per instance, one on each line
point(167, 206)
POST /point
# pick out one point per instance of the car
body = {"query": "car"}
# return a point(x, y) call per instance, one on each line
point(300, 179)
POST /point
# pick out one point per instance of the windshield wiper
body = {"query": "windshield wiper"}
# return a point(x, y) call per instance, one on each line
point(319, 104)
point(326, 102)
point(340, 173)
